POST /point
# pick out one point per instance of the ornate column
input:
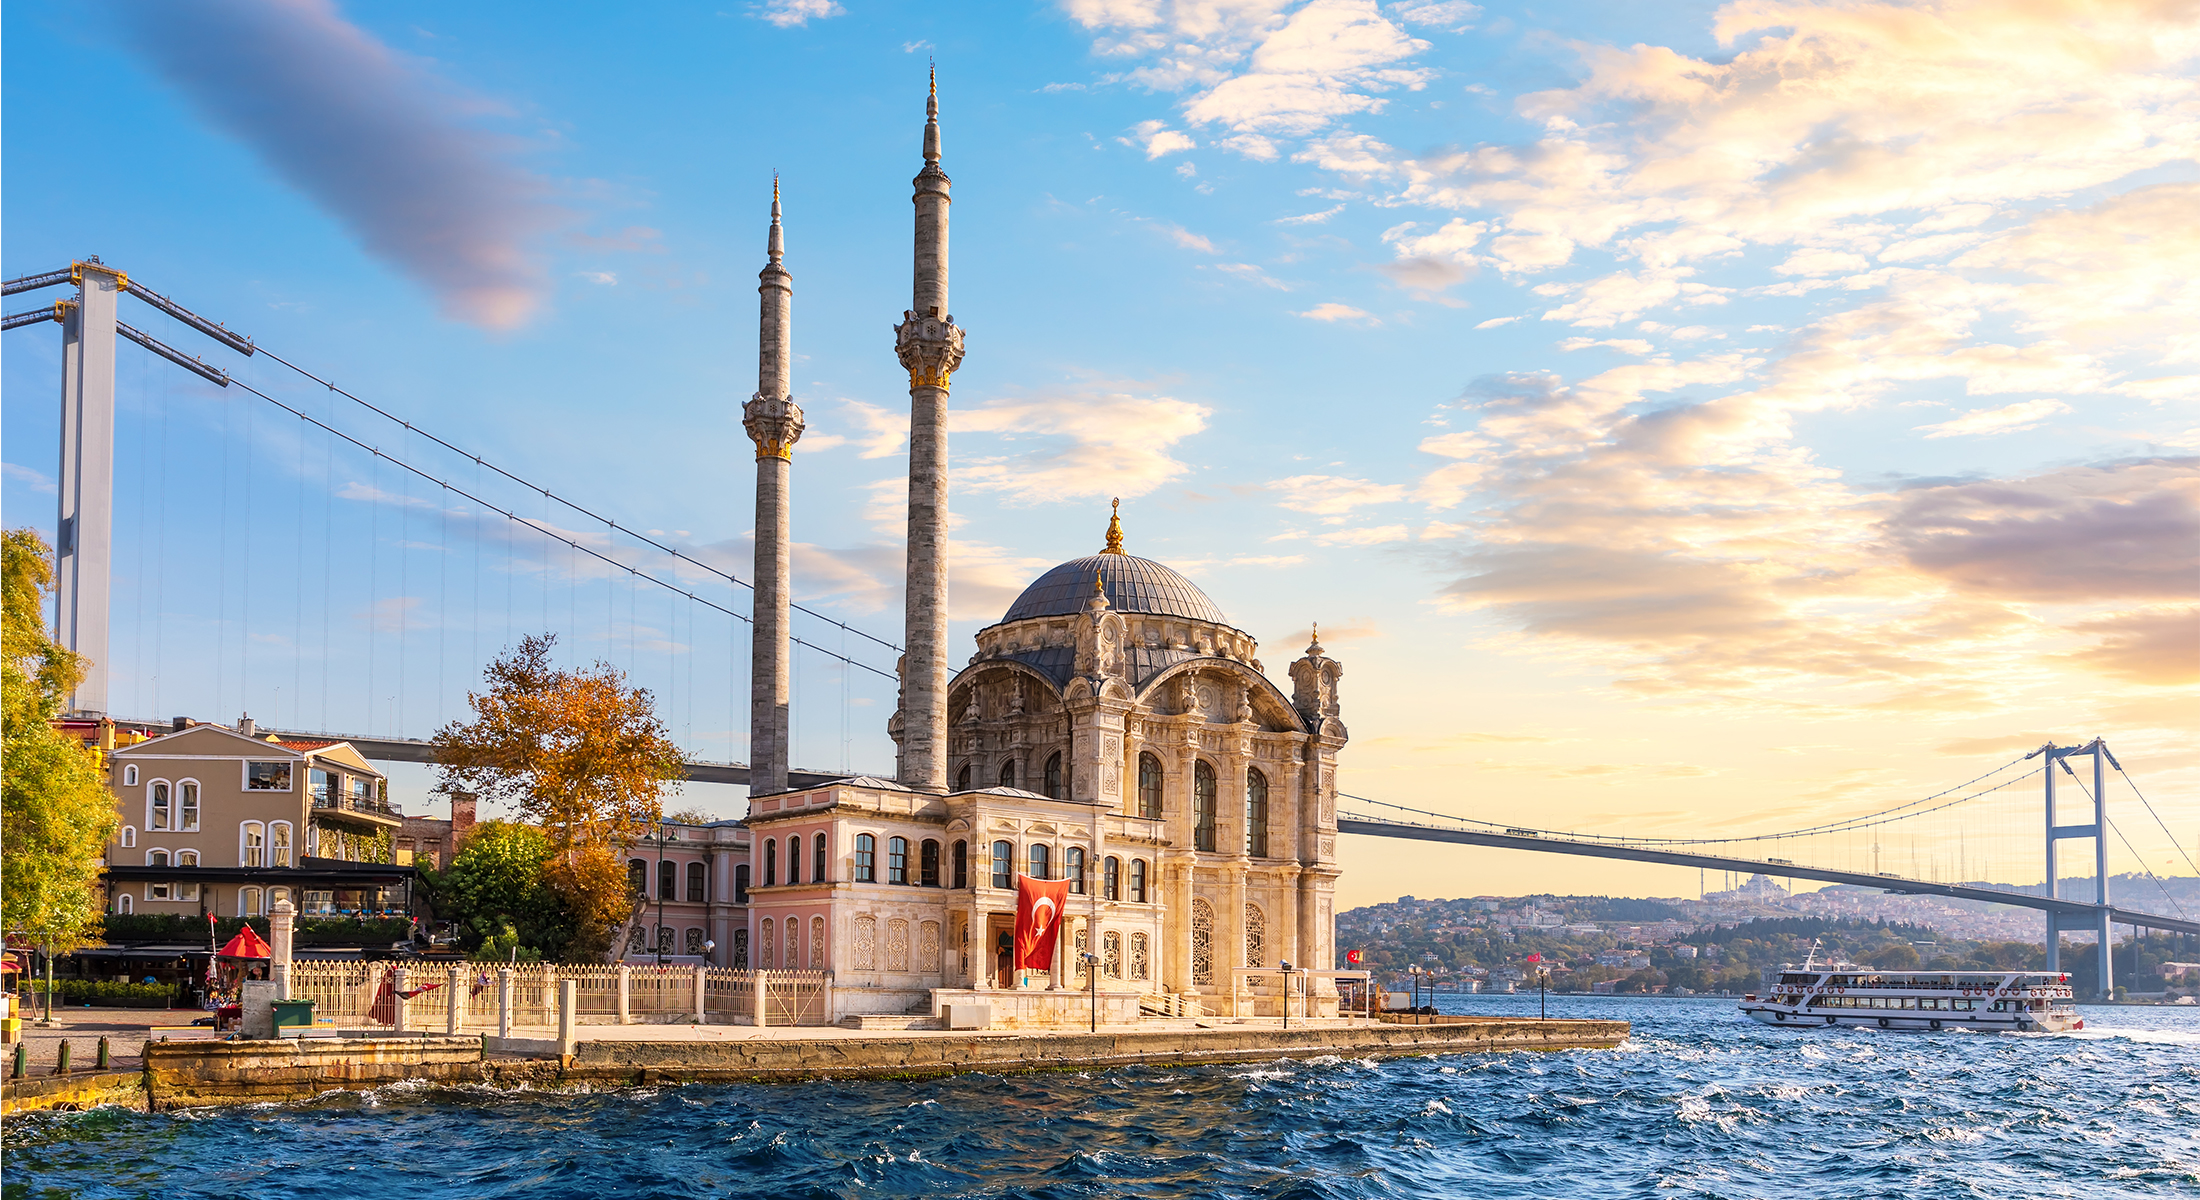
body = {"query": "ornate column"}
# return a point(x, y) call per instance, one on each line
point(774, 422)
point(930, 348)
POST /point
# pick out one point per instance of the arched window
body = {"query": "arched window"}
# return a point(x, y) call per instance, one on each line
point(740, 949)
point(1203, 942)
point(817, 943)
point(1140, 959)
point(637, 877)
point(695, 941)
point(187, 890)
point(818, 871)
point(1004, 865)
point(248, 902)
point(159, 890)
point(129, 836)
point(741, 884)
point(125, 903)
point(664, 939)
point(159, 805)
point(278, 840)
point(1138, 881)
point(962, 779)
point(1073, 869)
point(928, 863)
point(794, 859)
point(1111, 878)
point(156, 858)
point(1203, 807)
point(962, 864)
point(187, 806)
point(1111, 954)
point(1039, 861)
point(771, 862)
point(129, 775)
point(696, 877)
point(767, 949)
point(1256, 936)
point(252, 844)
point(1256, 814)
point(1149, 786)
point(866, 855)
point(1008, 773)
point(1053, 788)
point(897, 860)
point(637, 939)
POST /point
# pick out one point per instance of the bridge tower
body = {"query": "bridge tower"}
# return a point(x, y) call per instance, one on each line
point(2098, 831)
point(774, 422)
point(930, 347)
point(84, 535)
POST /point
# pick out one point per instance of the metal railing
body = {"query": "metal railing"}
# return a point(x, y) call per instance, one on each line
point(345, 994)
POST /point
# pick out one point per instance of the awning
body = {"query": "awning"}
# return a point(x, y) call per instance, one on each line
point(246, 944)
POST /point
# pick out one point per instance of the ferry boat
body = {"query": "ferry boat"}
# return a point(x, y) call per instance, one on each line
point(1820, 997)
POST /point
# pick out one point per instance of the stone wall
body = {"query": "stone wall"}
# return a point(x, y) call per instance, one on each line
point(193, 1074)
point(71, 1093)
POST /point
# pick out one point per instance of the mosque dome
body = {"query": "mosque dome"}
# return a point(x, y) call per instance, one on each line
point(1132, 585)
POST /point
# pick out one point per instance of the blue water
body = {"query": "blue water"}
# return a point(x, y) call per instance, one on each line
point(1698, 1103)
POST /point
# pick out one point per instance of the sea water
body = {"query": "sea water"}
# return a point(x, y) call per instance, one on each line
point(1698, 1102)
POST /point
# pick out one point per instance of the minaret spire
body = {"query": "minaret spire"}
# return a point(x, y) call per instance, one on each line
point(930, 347)
point(774, 422)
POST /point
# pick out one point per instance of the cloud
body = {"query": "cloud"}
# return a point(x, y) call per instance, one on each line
point(1157, 139)
point(1181, 236)
point(1313, 218)
point(2160, 648)
point(37, 481)
point(1494, 322)
point(882, 431)
point(601, 278)
point(1091, 441)
point(1332, 312)
point(1364, 537)
point(1333, 496)
point(1252, 274)
point(373, 138)
point(2011, 418)
point(1450, 14)
point(788, 14)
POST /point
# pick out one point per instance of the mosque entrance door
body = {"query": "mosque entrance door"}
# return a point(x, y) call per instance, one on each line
point(1000, 939)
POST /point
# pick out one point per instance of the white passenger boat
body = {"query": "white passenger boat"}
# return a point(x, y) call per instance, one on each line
point(1819, 997)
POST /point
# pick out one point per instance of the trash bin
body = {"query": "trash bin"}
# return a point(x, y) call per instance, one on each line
point(293, 1014)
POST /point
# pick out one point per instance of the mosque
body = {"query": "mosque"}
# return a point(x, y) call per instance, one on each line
point(1113, 729)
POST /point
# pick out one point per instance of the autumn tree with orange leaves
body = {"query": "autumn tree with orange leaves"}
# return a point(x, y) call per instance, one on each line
point(577, 753)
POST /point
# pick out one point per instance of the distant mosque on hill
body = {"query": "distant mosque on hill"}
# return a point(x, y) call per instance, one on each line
point(1113, 729)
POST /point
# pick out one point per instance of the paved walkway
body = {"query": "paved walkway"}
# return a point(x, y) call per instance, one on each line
point(126, 1030)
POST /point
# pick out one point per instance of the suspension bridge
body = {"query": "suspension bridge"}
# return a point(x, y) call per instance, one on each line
point(401, 510)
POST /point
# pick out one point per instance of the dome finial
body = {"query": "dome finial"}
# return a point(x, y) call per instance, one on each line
point(1314, 645)
point(1115, 528)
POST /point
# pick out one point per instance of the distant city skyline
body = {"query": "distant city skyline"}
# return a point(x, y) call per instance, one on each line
point(1700, 420)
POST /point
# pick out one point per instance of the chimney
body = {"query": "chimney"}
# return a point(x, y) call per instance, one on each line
point(178, 724)
point(246, 727)
point(462, 818)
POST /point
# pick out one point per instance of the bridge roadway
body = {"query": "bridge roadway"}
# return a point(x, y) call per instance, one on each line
point(1547, 844)
point(412, 750)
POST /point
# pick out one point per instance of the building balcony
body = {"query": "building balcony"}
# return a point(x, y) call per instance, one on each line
point(376, 814)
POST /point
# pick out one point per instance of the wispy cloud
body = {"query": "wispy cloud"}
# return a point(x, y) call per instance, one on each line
point(788, 14)
point(2010, 418)
point(1332, 312)
point(372, 137)
point(1085, 441)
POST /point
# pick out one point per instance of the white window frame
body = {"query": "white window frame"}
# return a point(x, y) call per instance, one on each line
point(165, 813)
point(129, 837)
point(159, 889)
point(245, 850)
point(129, 774)
point(283, 843)
point(244, 781)
point(125, 903)
point(248, 902)
point(187, 818)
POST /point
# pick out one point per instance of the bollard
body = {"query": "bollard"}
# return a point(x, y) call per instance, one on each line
point(106, 1055)
point(504, 1002)
point(701, 1014)
point(457, 1006)
point(763, 1011)
point(22, 1061)
point(61, 1064)
point(626, 987)
point(567, 1001)
point(398, 983)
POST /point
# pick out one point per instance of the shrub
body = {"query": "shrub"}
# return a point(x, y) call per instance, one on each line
point(96, 991)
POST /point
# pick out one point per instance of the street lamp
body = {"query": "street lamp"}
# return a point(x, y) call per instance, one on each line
point(710, 946)
point(1286, 964)
point(1092, 984)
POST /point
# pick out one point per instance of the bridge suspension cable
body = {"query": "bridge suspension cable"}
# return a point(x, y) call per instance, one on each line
point(540, 527)
point(548, 494)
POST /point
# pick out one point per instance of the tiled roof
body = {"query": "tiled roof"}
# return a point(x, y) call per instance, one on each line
point(1132, 585)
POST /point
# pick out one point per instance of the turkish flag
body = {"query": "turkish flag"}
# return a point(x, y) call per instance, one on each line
point(1038, 920)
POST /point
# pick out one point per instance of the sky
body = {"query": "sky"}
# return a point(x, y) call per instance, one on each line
point(1682, 419)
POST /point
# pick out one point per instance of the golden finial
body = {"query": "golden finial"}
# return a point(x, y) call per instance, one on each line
point(1099, 585)
point(1115, 528)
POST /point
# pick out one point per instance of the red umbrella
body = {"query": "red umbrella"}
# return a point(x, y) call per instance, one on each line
point(8, 962)
point(246, 944)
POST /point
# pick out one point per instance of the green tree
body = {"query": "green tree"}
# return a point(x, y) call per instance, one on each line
point(56, 814)
point(498, 890)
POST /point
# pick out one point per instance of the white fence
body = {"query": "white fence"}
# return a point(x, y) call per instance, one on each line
point(353, 995)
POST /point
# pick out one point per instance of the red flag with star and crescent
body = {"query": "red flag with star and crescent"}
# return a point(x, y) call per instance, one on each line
point(1038, 920)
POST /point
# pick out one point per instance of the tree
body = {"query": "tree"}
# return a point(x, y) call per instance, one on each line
point(577, 753)
point(498, 891)
point(56, 814)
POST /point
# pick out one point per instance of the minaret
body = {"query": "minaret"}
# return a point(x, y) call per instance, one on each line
point(774, 422)
point(930, 347)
